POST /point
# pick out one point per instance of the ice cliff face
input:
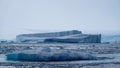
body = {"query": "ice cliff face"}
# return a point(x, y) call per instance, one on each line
point(73, 36)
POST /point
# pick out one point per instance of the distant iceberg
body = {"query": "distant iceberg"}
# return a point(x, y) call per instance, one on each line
point(73, 36)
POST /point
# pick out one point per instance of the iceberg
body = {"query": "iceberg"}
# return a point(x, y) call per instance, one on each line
point(47, 54)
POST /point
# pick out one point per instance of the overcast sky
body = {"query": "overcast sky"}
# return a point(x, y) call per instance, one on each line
point(30, 16)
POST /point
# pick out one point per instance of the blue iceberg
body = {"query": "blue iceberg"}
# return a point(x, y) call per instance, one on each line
point(47, 54)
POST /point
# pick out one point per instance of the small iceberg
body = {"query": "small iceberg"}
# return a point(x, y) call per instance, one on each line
point(47, 54)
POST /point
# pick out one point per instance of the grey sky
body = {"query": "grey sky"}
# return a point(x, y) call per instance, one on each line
point(89, 16)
